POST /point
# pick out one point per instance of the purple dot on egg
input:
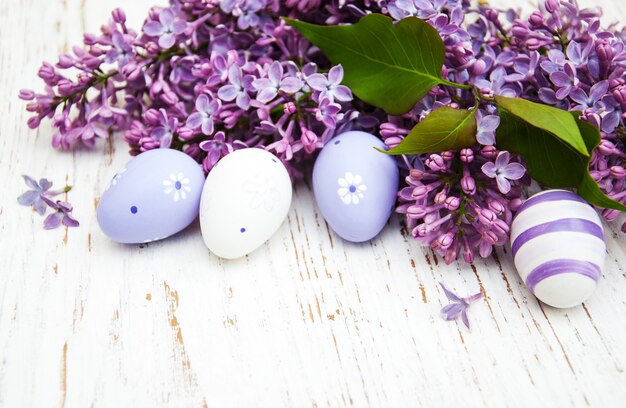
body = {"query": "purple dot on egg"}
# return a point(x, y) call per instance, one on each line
point(242, 230)
point(337, 141)
point(274, 160)
point(178, 185)
point(352, 189)
point(133, 209)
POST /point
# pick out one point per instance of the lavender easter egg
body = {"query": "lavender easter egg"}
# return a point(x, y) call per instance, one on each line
point(156, 195)
point(245, 199)
point(355, 185)
point(558, 247)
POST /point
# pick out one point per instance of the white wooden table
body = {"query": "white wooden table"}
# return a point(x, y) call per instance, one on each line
point(306, 321)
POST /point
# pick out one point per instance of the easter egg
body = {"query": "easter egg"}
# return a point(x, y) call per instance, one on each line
point(355, 185)
point(558, 247)
point(245, 199)
point(156, 195)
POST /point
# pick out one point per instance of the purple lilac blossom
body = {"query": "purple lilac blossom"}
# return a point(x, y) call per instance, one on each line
point(486, 132)
point(267, 88)
point(40, 197)
point(121, 49)
point(330, 86)
point(459, 306)
point(237, 89)
point(206, 109)
point(503, 171)
point(216, 148)
point(166, 28)
point(238, 53)
point(61, 216)
point(33, 197)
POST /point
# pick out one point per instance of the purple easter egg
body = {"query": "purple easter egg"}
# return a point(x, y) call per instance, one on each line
point(156, 195)
point(355, 185)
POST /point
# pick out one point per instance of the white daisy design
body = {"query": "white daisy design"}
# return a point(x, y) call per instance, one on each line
point(177, 184)
point(262, 191)
point(351, 188)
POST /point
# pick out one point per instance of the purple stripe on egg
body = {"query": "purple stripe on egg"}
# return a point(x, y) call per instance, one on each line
point(562, 225)
point(553, 195)
point(559, 266)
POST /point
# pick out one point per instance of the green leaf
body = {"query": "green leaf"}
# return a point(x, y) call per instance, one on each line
point(588, 188)
point(556, 121)
point(590, 191)
point(444, 129)
point(589, 133)
point(550, 160)
point(389, 66)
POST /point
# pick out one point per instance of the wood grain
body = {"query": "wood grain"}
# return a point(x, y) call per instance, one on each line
point(306, 321)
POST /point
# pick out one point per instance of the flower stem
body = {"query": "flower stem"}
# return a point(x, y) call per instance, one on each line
point(480, 97)
point(53, 193)
point(96, 80)
point(456, 85)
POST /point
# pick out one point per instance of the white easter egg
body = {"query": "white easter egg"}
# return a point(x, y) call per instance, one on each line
point(245, 199)
point(558, 247)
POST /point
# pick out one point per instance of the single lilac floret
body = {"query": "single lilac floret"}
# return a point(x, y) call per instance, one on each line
point(577, 54)
point(330, 87)
point(268, 88)
point(121, 49)
point(33, 197)
point(167, 28)
point(164, 132)
point(585, 101)
point(503, 171)
point(216, 148)
point(486, 133)
point(554, 62)
point(566, 81)
point(237, 88)
point(327, 112)
point(62, 215)
point(245, 10)
point(459, 305)
point(206, 109)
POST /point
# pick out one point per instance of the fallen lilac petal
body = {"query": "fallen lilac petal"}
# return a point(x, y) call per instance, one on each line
point(465, 318)
point(449, 294)
point(53, 220)
point(458, 307)
point(28, 198)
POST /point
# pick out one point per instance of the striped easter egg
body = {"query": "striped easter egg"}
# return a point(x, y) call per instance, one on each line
point(558, 247)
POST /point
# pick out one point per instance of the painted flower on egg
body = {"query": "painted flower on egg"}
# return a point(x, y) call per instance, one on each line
point(351, 188)
point(262, 191)
point(177, 184)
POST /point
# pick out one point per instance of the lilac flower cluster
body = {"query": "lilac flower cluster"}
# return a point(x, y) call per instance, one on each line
point(456, 202)
point(462, 201)
point(208, 77)
point(205, 78)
